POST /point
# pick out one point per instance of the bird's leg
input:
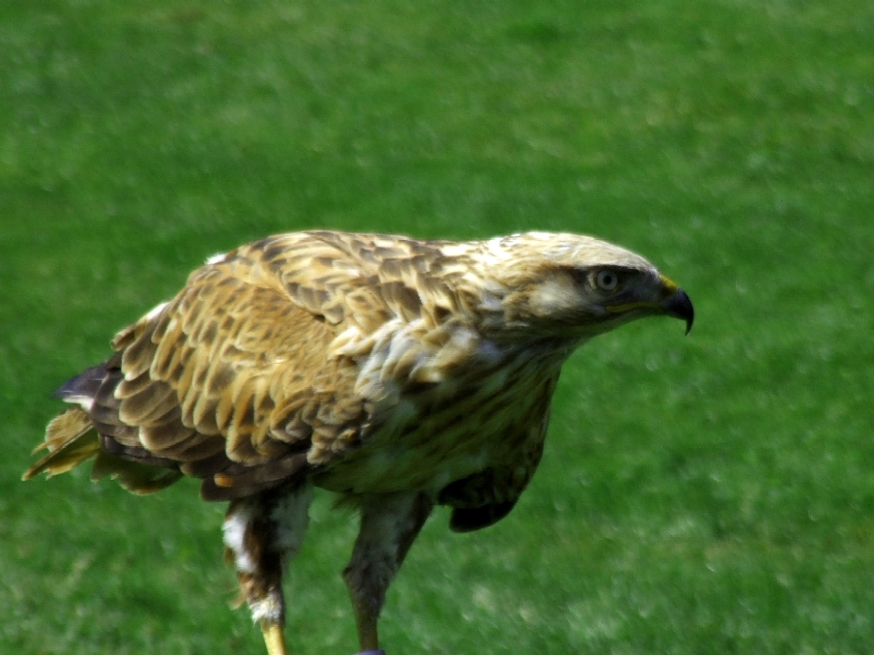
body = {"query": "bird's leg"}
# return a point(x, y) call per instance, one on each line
point(389, 525)
point(262, 533)
point(273, 638)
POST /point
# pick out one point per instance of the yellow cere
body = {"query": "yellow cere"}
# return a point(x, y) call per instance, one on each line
point(670, 285)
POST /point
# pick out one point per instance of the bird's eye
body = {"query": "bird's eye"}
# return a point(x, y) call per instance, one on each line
point(607, 280)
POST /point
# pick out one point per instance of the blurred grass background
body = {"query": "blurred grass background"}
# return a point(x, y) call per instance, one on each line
point(712, 494)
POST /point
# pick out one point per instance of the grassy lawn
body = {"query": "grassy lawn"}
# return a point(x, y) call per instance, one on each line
point(709, 494)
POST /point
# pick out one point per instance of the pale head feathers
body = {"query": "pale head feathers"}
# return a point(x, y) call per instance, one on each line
point(561, 248)
point(536, 282)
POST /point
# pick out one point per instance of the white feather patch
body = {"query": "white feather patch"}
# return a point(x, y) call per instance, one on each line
point(234, 528)
point(267, 608)
point(155, 311)
point(216, 259)
point(85, 402)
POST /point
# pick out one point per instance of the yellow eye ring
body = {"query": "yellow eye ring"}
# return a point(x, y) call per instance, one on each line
point(606, 280)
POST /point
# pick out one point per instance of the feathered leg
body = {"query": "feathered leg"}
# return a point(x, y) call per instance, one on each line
point(389, 525)
point(262, 533)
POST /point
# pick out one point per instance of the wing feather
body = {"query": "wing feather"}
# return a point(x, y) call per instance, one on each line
point(235, 377)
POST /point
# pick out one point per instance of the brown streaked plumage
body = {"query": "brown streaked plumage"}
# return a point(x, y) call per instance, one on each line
point(399, 373)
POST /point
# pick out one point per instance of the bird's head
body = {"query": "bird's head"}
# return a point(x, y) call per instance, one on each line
point(575, 287)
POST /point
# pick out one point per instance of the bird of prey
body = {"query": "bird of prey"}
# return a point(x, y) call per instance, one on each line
point(398, 373)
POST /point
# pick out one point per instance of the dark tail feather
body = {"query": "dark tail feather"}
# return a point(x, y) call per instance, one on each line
point(82, 388)
point(70, 436)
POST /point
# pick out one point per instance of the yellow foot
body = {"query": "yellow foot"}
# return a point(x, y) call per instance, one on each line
point(274, 638)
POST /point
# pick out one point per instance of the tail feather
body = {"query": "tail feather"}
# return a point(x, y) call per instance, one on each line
point(82, 388)
point(70, 441)
point(137, 478)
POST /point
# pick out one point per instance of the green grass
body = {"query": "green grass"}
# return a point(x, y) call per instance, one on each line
point(713, 494)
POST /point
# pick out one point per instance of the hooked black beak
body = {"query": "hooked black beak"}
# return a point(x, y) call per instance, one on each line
point(680, 306)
